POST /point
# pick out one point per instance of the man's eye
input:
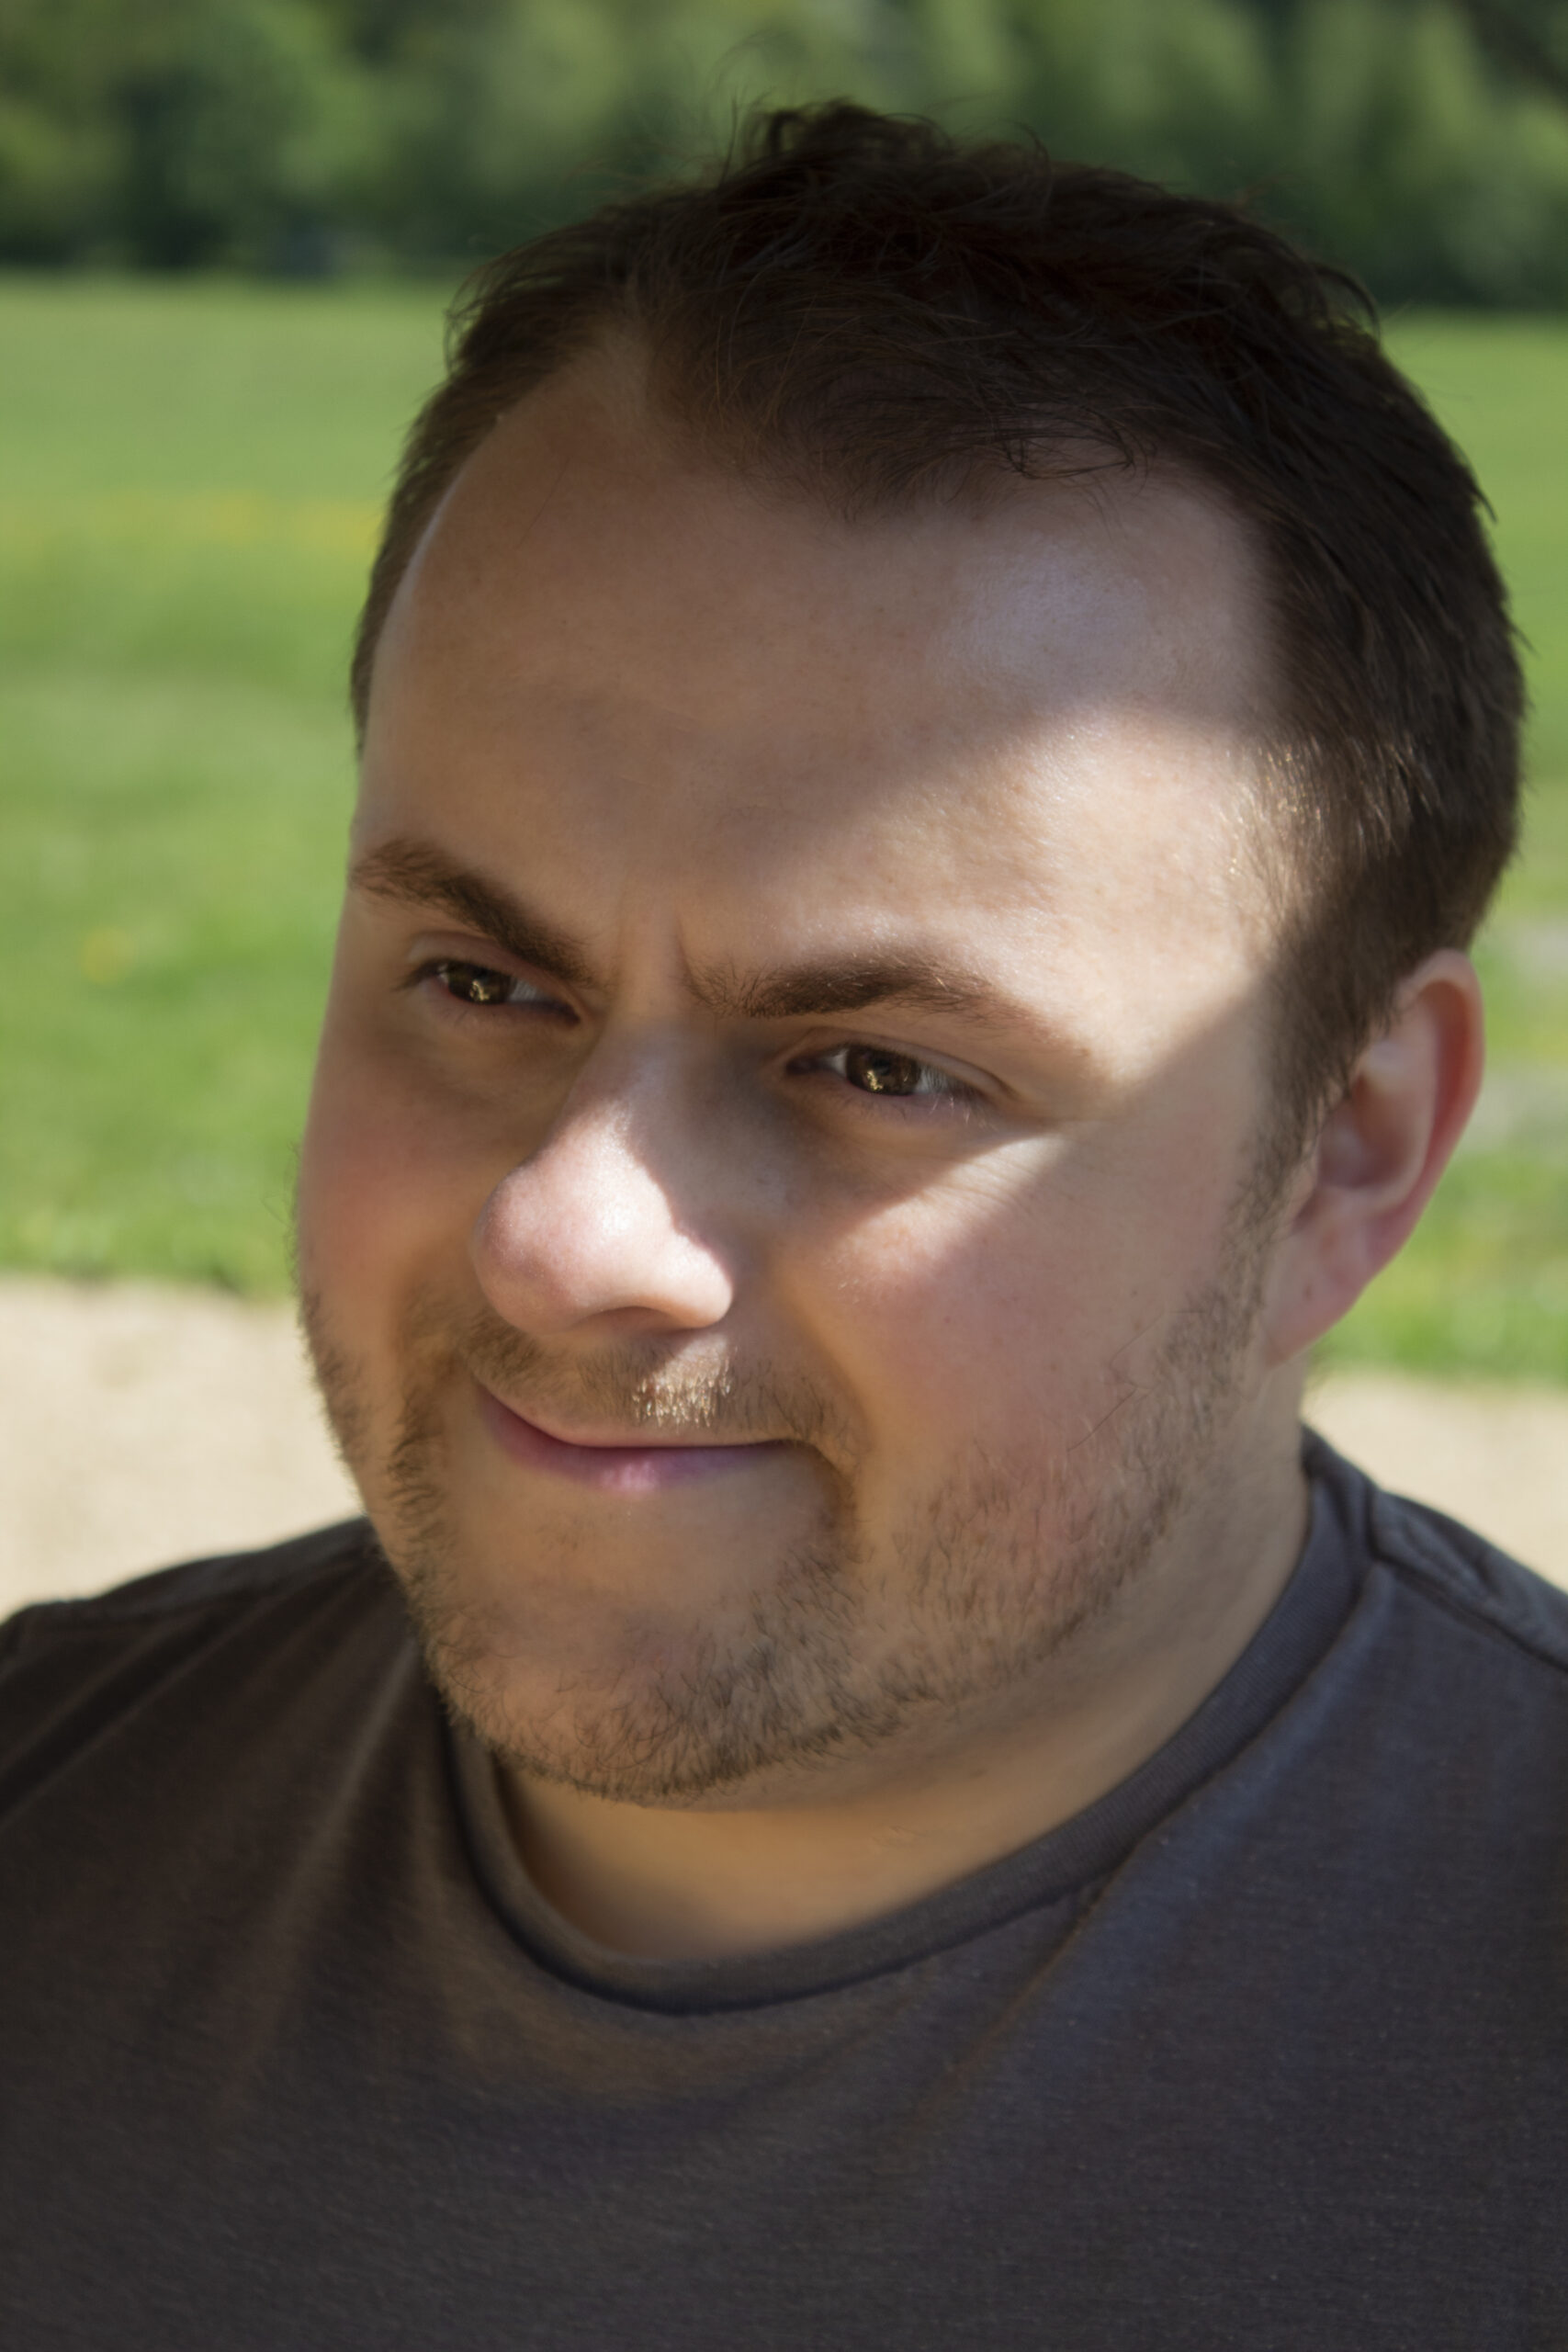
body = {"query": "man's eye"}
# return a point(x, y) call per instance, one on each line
point(876, 1069)
point(481, 984)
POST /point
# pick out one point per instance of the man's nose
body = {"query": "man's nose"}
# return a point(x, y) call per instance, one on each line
point(599, 1221)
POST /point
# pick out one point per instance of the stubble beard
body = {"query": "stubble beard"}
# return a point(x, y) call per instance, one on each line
point(987, 1577)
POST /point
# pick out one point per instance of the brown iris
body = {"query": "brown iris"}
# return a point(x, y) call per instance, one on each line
point(876, 1071)
point(476, 983)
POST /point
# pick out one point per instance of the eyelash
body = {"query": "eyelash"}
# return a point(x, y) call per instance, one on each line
point(953, 1092)
point(441, 967)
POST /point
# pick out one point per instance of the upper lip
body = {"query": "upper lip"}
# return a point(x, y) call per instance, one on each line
point(646, 1437)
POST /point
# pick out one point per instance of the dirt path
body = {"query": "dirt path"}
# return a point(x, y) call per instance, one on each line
point(140, 1426)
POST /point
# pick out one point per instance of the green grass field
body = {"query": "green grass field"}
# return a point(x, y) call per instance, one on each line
point(189, 479)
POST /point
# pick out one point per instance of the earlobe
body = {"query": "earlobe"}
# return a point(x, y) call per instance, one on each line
point(1380, 1152)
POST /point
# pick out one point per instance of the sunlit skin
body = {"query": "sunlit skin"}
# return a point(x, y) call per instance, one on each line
point(824, 956)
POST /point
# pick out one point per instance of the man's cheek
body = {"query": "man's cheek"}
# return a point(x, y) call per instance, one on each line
point(946, 1327)
point(1023, 1337)
point(373, 1192)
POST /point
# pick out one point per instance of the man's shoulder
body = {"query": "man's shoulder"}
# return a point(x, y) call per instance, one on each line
point(71, 1670)
point(1449, 1567)
point(218, 1583)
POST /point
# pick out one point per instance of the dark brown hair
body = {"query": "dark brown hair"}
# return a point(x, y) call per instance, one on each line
point(871, 311)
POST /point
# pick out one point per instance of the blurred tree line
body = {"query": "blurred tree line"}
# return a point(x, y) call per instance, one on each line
point(1424, 142)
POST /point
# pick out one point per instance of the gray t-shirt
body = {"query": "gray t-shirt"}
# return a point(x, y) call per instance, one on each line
point(1267, 2049)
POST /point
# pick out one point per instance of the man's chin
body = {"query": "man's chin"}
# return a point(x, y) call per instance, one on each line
point(653, 1649)
point(595, 1691)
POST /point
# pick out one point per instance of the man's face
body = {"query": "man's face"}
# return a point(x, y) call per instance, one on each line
point(796, 1043)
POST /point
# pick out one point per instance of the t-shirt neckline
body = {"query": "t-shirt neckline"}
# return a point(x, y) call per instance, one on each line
point(1055, 1870)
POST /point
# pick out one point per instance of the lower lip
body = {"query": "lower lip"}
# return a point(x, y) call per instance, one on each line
point(615, 1469)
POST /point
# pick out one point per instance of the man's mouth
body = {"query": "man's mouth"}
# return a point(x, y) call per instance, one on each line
point(648, 1465)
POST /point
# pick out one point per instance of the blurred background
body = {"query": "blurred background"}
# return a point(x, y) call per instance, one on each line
point(228, 231)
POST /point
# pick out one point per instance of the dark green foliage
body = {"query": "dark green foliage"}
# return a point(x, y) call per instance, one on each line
point(1424, 142)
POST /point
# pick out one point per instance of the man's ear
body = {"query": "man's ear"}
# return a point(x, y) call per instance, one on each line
point(1378, 1154)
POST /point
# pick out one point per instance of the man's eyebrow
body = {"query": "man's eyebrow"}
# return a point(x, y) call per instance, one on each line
point(911, 982)
point(411, 874)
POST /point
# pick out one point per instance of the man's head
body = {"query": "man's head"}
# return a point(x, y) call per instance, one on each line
point(917, 716)
point(863, 313)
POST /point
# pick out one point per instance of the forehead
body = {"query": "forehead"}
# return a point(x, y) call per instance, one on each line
point(1046, 703)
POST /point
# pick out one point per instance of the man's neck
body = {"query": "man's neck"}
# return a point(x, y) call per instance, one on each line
point(795, 1864)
